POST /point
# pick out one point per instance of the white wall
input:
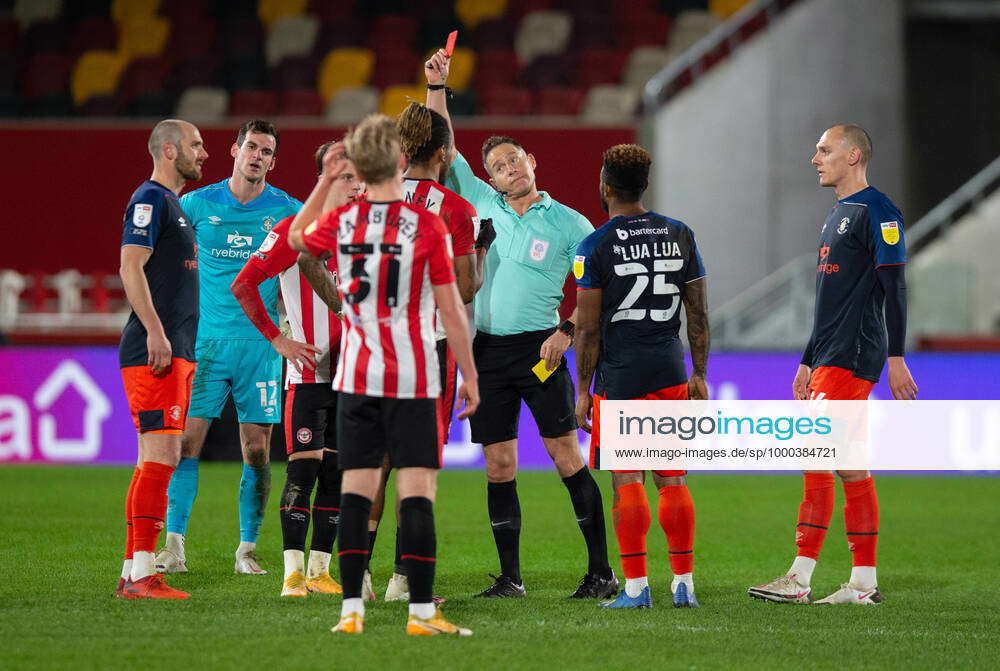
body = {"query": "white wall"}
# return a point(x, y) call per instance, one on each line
point(731, 154)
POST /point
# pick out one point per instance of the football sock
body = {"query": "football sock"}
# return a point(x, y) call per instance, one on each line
point(634, 586)
point(294, 561)
point(802, 568)
point(685, 578)
point(861, 521)
point(352, 605)
point(863, 577)
point(326, 506)
point(418, 545)
point(319, 563)
point(589, 509)
point(505, 518)
point(353, 544)
point(255, 485)
point(424, 611)
point(128, 512)
point(400, 568)
point(181, 494)
point(815, 512)
point(126, 569)
point(631, 517)
point(149, 507)
point(676, 514)
point(294, 509)
point(372, 535)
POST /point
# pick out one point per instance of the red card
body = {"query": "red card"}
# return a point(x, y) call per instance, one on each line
point(449, 48)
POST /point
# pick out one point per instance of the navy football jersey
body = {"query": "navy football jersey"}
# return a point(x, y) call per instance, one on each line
point(863, 232)
point(642, 265)
point(154, 219)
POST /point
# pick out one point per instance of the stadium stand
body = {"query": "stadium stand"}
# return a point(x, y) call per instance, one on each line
point(349, 104)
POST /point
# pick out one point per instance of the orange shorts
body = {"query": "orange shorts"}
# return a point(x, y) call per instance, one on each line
point(676, 393)
point(838, 384)
point(159, 403)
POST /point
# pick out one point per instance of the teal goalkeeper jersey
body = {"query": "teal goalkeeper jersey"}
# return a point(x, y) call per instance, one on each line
point(227, 233)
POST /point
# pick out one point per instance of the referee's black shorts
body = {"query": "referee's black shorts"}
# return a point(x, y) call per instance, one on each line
point(505, 378)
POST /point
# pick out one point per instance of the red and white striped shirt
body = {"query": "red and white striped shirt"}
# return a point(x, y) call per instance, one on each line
point(311, 320)
point(388, 256)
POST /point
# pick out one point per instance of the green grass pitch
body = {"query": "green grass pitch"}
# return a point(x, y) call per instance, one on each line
point(61, 532)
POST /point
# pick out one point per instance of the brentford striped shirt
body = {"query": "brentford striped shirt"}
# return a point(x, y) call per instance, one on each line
point(388, 256)
point(458, 215)
point(309, 317)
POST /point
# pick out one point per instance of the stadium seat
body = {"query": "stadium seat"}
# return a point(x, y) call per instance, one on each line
point(192, 39)
point(126, 11)
point(505, 101)
point(495, 67)
point(560, 101)
point(253, 103)
point(638, 29)
point(334, 12)
point(348, 32)
point(291, 36)
point(144, 37)
point(241, 37)
point(80, 9)
point(9, 33)
point(198, 71)
point(725, 8)
point(542, 32)
point(271, 12)
point(187, 13)
point(396, 31)
point(550, 70)
point(396, 98)
point(592, 31)
point(342, 68)
point(144, 86)
point(518, 9)
point(295, 73)
point(202, 104)
point(227, 10)
point(96, 73)
point(300, 102)
point(27, 12)
point(463, 65)
point(45, 36)
point(600, 66)
point(610, 104)
point(47, 73)
point(97, 33)
point(472, 12)
point(643, 64)
point(494, 34)
point(691, 25)
point(350, 105)
point(395, 66)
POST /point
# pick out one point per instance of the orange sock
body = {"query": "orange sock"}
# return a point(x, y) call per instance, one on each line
point(815, 512)
point(676, 512)
point(149, 505)
point(128, 512)
point(631, 517)
point(861, 520)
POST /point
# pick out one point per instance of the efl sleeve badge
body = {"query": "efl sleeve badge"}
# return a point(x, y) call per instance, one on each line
point(890, 232)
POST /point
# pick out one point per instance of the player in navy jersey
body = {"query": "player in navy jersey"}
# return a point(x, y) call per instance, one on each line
point(859, 275)
point(159, 270)
point(633, 273)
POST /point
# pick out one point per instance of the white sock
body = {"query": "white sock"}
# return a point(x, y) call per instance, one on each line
point(245, 547)
point(686, 578)
point(863, 577)
point(294, 561)
point(142, 565)
point(634, 586)
point(424, 611)
point(175, 543)
point(319, 563)
point(126, 569)
point(352, 606)
point(802, 569)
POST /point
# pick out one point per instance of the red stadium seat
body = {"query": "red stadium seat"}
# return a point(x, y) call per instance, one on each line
point(94, 33)
point(192, 38)
point(9, 33)
point(495, 67)
point(494, 34)
point(198, 71)
point(549, 70)
point(505, 100)
point(300, 102)
point(296, 72)
point(335, 12)
point(592, 31)
point(186, 13)
point(241, 37)
point(396, 31)
point(560, 100)
point(253, 103)
point(600, 66)
point(640, 29)
point(395, 66)
point(47, 73)
point(143, 75)
point(516, 9)
point(349, 32)
point(45, 36)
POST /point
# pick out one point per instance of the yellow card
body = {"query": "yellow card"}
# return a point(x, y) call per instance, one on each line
point(541, 372)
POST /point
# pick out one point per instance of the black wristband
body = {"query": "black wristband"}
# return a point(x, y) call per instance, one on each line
point(567, 327)
point(438, 87)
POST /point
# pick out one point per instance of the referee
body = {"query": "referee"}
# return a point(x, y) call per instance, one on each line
point(516, 315)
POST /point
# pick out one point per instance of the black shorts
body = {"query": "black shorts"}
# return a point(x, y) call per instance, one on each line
point(369, 427)
point(505, 377)
point(449, 383)
point(310, 414)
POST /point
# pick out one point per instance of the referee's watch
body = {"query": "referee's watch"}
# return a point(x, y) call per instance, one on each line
point(567, 327)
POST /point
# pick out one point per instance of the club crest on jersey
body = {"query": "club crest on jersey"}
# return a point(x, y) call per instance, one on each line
point(268, 223)
point(578, 262)
point(842, 228)
point(622, 235)
point(539, 248)
point(304, 435)
point(890, 232)
point(175, 412)
point(142, 214)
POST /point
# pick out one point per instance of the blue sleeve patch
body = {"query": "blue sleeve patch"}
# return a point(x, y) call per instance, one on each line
point(888, 244)
point(142, 219)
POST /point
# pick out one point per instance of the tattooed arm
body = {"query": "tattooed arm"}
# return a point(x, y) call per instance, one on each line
point(320, 279)
point(696, 311)
point(588, 349)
